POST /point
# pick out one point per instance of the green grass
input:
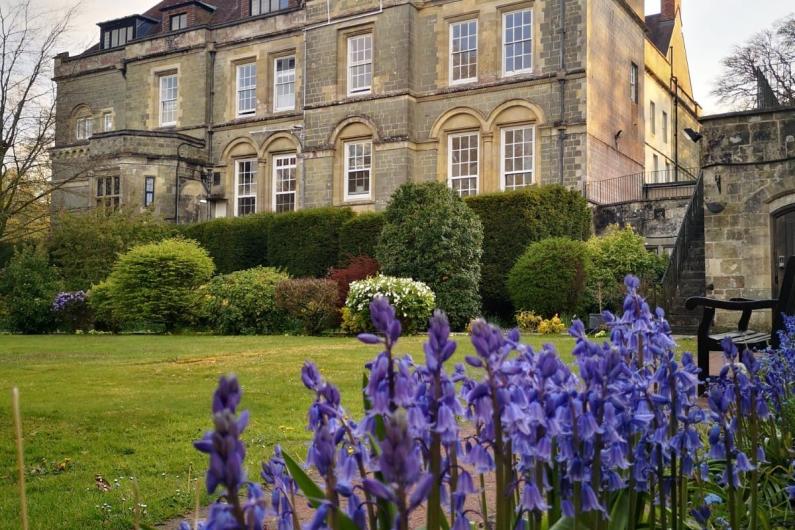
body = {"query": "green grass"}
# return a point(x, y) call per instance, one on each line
point(128, 408)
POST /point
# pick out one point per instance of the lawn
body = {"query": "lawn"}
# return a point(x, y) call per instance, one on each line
point(127, 408)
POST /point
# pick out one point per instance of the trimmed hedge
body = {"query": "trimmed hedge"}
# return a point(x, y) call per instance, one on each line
point(306, 242)
point(234, 243)
point(511, 221)
point(360, 235)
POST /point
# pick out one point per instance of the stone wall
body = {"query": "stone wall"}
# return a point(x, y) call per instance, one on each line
point(749, 175)
point(658, 220)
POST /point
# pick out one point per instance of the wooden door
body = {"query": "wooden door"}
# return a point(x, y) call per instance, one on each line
point(783, 245)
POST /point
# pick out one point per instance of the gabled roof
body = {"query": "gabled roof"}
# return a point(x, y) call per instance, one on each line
point(660, 31)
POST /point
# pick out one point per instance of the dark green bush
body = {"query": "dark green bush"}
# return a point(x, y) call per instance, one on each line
point(306, 242)
point(156, 286)
point(244, 302)
point(28, 286)
point(234, 243)
point(311, 302)
point(511, 221)
point(360, 235)
point(85, 245)
point(430, 235)
point(549, 278)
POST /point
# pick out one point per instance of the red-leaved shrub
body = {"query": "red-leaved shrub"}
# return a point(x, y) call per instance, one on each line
point(358, 268)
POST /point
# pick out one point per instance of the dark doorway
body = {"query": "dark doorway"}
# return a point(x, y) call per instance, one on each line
point(783, 244)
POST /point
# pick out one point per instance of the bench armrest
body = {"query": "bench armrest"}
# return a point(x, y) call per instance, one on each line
point(731, 305)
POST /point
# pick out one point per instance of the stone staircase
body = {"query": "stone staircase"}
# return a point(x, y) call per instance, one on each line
point(685, 276)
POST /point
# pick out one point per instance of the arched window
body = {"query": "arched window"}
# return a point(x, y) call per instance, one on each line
point(281, 151)
point(354, 142)
point(460, 160)
point(514, 124)
point(242, 183)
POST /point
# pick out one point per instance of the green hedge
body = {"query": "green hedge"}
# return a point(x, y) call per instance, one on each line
point(511, 221)
point(234, 243)
point(360, 235)
point(306, 242)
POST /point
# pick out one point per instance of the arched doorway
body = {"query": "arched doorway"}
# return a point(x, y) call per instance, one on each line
point(783, 243)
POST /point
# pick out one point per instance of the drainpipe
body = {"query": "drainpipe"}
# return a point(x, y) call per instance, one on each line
point(562, 87)
point(208, 114)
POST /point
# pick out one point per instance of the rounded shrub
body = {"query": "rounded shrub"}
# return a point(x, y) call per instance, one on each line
point(311, 302)
point(28, 286)
point(414, 303)
point(72, 312)
point(432, 236)
point(244, 302)
point(156, 286)
point(549, 278)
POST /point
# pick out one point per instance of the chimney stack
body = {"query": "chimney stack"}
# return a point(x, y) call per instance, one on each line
point(669, 8)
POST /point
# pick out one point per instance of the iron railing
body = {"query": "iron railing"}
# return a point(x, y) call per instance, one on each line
point(672, 183)
point(689, 232)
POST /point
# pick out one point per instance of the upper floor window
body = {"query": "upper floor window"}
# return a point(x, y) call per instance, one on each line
point(633, 82)
point(284, 183)
point(108, 192)
point(464, 51)
point(653, 117)
point(358, 169)
point(284, 83)
point(517, 157)
point(246, 89)
point(107, 121)
point(84, 128)
point(245, 187)
point(665, 126)
point(360, 63)
point(168, 100)
point(179, 21)
point(518, 41)
point(462, 162)
point(149, 191)
point(263, 7)
point(112, 38)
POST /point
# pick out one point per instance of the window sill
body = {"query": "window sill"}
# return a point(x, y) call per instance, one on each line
point(355, 201)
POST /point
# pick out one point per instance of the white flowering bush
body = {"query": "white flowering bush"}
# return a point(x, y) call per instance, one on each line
point(414, 302)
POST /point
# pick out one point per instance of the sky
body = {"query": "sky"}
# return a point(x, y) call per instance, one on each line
point(712, 28)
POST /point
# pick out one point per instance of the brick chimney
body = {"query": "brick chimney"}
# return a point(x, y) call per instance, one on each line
point(668, 9)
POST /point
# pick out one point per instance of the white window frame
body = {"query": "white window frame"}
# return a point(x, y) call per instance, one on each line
point(450, 177)
point(107, 122)
point(178, 18)
point(252, 191)
point(505, 43)
point(239, 89)
point(84, 128)
point(653, 117)
point(451, 77)
point(532, 170)
point(347, 169)
point(162, 101)
point(276, 168)
point(357, 63)
point(277, 83)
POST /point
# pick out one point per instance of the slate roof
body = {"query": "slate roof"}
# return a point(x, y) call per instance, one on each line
point(660, 31)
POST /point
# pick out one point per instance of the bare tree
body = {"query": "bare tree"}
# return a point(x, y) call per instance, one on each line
point(761, 72)
point(28, 41)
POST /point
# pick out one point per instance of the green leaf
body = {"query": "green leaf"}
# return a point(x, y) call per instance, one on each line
point(619, 511)
point(564, 523)
point(305, 484)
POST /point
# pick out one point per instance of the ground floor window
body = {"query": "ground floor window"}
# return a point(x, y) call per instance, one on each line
point(517, 157)
point(463, 163)
point(358, 169)
point(108, 192)
point(284, 183)
point(245, 187)
point(149, 191)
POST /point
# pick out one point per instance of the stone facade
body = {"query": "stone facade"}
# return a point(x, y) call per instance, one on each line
point(749, 184)
point(572, 95)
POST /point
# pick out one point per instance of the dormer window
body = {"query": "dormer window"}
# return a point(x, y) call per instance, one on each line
point(179, 21)
point(263, 7)
point(112, 38)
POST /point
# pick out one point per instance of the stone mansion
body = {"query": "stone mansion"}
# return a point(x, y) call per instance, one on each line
point(203, 109)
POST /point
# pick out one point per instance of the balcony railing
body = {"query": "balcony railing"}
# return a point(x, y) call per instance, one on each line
point(674, 183)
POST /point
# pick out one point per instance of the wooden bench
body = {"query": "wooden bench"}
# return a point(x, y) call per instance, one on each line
point(742, 336)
